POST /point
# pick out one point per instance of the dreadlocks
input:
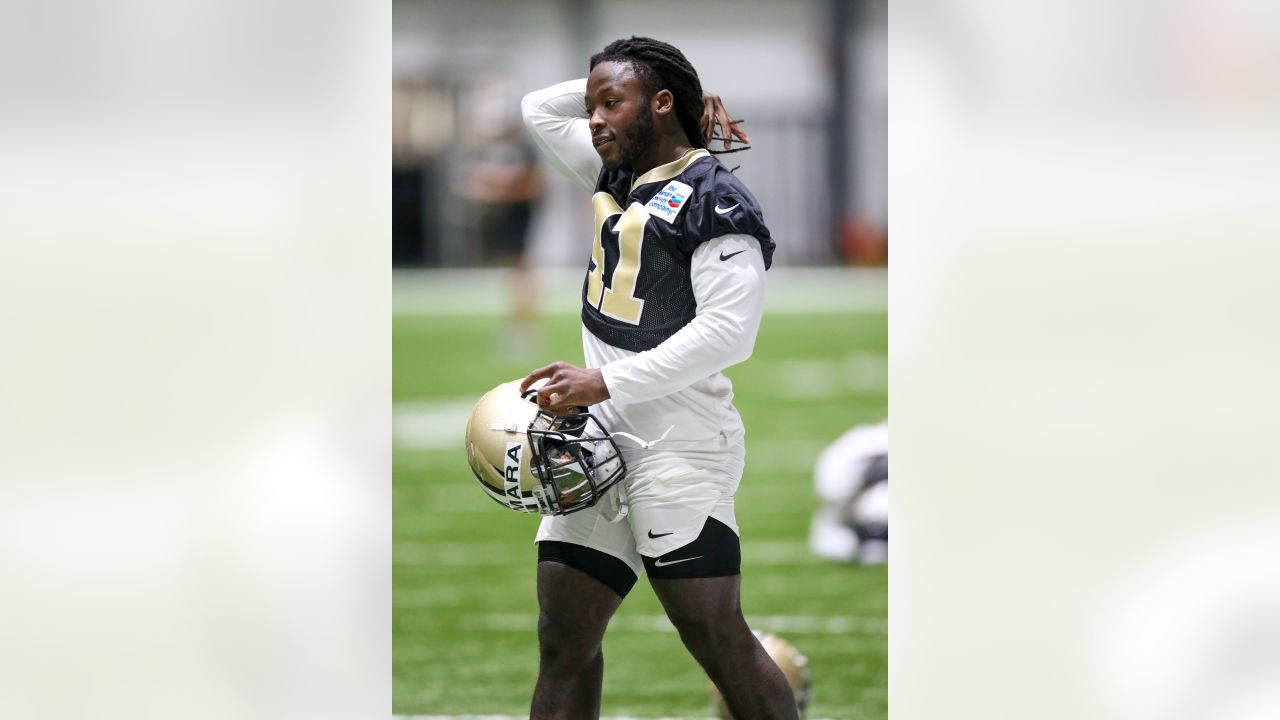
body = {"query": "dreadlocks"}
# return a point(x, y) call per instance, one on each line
point(662, 67)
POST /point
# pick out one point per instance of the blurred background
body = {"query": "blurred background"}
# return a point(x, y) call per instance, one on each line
point(809, 77)
point(490, 244)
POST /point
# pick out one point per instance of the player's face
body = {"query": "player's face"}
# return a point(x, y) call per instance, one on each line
point(622, 125)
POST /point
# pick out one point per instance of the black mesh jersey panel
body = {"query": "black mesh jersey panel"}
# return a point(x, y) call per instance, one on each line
point(637, 292)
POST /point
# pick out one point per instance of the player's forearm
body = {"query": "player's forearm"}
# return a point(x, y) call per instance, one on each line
point(723, 333)
point(557, 119)
point(707, 345)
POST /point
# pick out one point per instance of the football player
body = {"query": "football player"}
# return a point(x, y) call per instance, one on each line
point(673, 295)
point(851, 479)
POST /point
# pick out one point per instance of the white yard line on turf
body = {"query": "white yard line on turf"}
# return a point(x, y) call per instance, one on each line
point(857, 373)
point(430, 424)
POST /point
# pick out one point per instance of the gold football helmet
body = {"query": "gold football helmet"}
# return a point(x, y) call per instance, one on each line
point(794, 666)
point(531, 460)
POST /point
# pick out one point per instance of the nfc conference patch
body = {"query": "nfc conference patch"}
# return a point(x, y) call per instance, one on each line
point(669, 201)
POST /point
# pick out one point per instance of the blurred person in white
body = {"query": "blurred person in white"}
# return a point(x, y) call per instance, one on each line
point(674, 295)
point(851, 479)
point(504, 186)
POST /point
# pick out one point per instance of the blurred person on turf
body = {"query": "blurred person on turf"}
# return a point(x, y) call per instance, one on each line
point(504, 186)
point(851, 479)
point(673, 295)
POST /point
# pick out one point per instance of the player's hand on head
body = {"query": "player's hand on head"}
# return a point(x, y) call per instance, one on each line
point(567, 386)
point(714, 114)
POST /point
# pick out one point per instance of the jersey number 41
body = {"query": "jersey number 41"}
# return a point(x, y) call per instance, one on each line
point(618, 299)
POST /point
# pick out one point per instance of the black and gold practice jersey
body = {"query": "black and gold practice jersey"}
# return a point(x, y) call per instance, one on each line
point(638, 291)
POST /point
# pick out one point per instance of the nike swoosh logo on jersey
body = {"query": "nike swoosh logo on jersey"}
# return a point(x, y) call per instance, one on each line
point(655, 537)
point(721, 211)
point(726, 257)
point(659, 563)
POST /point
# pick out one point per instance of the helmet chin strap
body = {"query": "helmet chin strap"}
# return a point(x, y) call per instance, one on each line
point(514, 427)
point(646, 444)
point(618, 500)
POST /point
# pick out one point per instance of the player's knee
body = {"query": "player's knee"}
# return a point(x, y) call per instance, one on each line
point(563, 643)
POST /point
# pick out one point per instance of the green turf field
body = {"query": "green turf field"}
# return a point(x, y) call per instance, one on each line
point(464, 607)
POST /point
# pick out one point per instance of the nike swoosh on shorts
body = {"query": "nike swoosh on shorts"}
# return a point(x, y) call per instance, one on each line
point(659, 563)
point(721, 211)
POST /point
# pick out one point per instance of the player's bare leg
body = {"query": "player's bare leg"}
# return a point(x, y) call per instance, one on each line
point(573, 612)
point(707, 613)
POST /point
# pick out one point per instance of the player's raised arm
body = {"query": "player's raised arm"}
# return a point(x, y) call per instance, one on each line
point(557, 119)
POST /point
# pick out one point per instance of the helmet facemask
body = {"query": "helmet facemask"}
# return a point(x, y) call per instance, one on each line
point(574, 460)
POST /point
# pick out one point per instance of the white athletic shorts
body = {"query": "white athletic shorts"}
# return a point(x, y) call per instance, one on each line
point(669, 496)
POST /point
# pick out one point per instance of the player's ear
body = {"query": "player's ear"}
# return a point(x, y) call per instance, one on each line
point(663, 102)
